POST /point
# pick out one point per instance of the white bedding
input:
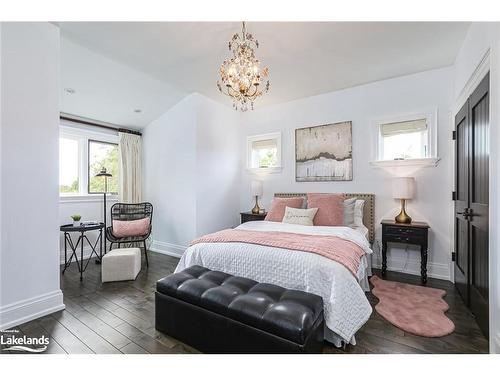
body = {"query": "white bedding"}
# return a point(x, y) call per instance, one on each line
point(345, 304)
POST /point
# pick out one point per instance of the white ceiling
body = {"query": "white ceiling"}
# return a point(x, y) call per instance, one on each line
point(169, 60)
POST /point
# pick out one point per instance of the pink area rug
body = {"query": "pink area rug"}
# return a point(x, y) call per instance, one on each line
point(414, 309)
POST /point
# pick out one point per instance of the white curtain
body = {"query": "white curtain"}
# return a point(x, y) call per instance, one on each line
point(130, 168)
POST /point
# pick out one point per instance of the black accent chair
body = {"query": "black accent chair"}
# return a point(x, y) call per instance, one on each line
point(126, 212)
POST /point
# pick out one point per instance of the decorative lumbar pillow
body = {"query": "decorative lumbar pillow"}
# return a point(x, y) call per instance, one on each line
point(358, 212)
point(299, 216)
point(330, 208)
point(131, 228)
point(277, 210)
point(349, 211)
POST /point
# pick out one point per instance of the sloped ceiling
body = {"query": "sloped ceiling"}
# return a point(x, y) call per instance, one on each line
point(118, 67)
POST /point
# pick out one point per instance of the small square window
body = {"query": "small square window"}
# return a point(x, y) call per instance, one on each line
point(404, 140)
point(264, 152)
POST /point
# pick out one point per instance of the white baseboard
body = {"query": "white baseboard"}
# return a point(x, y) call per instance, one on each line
point(31, 308)
point(435, 270)
point(495, 344)
point(167, 248)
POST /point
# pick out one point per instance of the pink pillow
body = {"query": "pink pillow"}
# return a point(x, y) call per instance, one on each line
point(131, 228)
point(330, 208)
point(278, 206)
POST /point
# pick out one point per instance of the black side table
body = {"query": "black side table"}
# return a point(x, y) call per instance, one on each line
point(249, 216)
point(82, 229)
point(415, 233)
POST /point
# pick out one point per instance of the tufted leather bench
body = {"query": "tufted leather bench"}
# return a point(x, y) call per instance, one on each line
point(219, 313)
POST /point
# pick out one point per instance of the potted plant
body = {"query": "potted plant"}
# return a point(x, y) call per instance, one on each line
point(76, 220)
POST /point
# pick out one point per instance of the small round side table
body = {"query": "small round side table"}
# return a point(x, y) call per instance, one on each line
point(68, 241)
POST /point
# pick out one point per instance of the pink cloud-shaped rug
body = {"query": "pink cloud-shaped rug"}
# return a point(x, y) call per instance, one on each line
point(414, 309)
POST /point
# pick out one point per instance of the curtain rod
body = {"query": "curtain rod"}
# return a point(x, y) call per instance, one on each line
point(92, 123)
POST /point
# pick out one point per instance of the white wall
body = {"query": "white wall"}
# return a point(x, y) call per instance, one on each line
point(29, 172)
point(481, 38)
point(361, 105)
point(169, 183)
point(191, 168)
point(110, 91)
point(217, 166)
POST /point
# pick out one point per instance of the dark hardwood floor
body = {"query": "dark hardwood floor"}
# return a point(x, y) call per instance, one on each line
point(119, 318)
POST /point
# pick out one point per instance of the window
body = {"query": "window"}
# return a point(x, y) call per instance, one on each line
point(102, 154)
point(68, 166)
point(406, 140)
point(264, 152)
point(82, 154)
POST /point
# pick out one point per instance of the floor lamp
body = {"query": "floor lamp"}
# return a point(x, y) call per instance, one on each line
point(104, 173)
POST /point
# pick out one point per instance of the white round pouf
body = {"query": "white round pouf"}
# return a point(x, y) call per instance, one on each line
point(121, 264)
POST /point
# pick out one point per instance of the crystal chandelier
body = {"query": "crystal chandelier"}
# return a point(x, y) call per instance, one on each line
point(241, 77)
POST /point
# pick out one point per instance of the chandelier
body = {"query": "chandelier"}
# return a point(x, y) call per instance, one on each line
point(241, 77)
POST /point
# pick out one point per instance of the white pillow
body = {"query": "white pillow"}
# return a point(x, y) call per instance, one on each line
point(299, 216)
point(349, 212)
point(358, 212)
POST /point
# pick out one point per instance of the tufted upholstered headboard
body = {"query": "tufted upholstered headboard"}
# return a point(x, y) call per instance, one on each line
point(368, 211)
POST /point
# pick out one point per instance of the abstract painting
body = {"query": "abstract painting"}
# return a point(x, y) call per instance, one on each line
point(324, 153)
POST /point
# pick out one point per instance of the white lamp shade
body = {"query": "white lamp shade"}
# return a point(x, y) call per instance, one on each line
point(257, 188)
point(403, 187)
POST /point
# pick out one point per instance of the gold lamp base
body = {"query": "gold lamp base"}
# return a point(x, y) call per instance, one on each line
point(403, 217)
point(256, 208)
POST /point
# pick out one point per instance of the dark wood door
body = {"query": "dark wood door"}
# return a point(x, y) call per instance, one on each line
point(462, 128)
point(471, 204)
point(478, 211)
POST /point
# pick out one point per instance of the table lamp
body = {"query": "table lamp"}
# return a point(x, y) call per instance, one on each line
point(104, 173)
point(403, 188)
point(256, 192)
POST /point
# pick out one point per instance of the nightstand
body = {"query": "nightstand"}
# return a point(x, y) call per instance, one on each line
point(249, 216)
point(415, 233)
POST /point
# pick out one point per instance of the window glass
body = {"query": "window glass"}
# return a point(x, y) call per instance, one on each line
point(103, 154)
point(265, 153)
point(404, 140)
point(68, 166)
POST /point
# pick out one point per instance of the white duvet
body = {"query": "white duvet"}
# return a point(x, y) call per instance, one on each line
point(345, 304)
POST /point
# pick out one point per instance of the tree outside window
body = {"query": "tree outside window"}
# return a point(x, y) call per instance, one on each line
point(102, 154)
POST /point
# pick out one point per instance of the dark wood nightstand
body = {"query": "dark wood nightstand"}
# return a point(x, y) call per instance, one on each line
point(249, 216)
point(415, 233)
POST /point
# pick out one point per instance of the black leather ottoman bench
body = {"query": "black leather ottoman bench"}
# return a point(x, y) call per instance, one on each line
point(219, 313)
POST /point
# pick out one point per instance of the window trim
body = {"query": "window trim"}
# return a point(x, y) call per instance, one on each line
point(83, 136)
point(88, 164)
point(263, 137)
point(431, 116)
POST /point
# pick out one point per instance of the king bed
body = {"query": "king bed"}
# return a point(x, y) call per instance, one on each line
point(342, 288)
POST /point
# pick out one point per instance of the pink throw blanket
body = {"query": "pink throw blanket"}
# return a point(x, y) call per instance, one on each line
point(342, 251)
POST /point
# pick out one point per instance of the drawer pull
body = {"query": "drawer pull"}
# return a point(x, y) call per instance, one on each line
point(402, 239)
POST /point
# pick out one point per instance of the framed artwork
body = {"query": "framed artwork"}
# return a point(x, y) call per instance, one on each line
point(324, 153)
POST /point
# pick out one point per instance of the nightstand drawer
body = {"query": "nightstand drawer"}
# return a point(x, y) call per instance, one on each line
point(404, 231)
point(248, 216)
point(403, 239)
